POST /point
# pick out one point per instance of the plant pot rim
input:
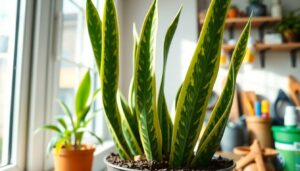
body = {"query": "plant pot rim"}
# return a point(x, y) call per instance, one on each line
point(128, 169)
point(85, 149)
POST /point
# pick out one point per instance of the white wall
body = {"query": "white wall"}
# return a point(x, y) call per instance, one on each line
point(265, 81)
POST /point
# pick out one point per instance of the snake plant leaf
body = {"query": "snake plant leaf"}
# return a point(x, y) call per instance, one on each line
point(236, 60)
point(145, 89)
point(198, 84)
point(131, 94)
point(94, 25)
point(211, 143)
point(132, 120)
point(217, 119)
point(82, 95)
point(177, 96)
point(165, 121)
point(67, 111)
point(110, 76)
point(128, 126)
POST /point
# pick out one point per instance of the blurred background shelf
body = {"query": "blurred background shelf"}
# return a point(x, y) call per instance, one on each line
point(262, 48)
point(277, 47)
point(256, 22)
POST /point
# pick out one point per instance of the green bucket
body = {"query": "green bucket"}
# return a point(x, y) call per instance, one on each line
point(287, 143)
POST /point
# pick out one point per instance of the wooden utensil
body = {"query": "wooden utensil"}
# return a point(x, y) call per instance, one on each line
point(248, 99)
point(255, 154)
point(294, 90)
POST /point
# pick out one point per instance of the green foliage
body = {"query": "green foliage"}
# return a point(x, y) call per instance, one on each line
point(291, 21)
point(165, 121)
point(143, 124)
point(109, 76)
point(70, 127)
point(144, 87)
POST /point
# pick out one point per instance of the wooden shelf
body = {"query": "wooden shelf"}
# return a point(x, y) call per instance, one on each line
point(277, 47)
point(228, 48)
point(272, 47)
point(293, 48)
point(262, 48)
point(256, 22)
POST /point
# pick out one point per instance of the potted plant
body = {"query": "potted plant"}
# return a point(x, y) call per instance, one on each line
point(256, 8)
point(67, 144)
point(144, 134)
point(289, 27)
point(233, 12)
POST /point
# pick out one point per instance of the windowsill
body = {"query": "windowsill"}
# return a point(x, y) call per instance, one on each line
point(101, 152)
point(10, 167)
point(98, 163)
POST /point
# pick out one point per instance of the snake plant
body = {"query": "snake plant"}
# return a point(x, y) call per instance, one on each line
point(70, 130)
point(141, 124)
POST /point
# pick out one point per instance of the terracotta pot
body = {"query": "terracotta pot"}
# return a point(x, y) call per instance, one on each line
point(290, 36)
point(233, 13)
point(112, 167)
point(260, 129)
point(74, 160)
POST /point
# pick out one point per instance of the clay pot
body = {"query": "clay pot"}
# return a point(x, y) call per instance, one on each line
point(290, 36)
point(260, 129)
point(233, 13)
point(74, 160)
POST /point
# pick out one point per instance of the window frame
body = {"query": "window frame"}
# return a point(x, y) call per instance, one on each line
point(45, 68)
point(21, 86)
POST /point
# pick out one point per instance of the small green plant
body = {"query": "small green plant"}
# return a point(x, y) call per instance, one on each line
point(141, 125)
point(290, 22)
point(71, 128)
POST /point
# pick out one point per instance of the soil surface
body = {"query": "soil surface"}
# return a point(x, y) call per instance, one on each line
point(216, 164)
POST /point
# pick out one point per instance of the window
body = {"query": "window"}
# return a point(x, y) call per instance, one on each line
point(8, 52)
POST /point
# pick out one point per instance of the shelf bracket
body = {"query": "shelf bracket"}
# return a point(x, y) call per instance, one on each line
point(261, 31)
point(263, 57)
point(293, 54)
point(231, 31)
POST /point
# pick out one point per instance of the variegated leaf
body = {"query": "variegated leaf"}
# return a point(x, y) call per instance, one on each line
point(165, 121)
point(223, 102)
point(131, 94)
point(144, 87)
point(198, 84)
point(94, 25)
point(177, 96)
point(209, 146)
point(128, 127)
point(110, 76)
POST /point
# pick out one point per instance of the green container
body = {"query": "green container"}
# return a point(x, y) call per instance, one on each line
point(287, 143)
